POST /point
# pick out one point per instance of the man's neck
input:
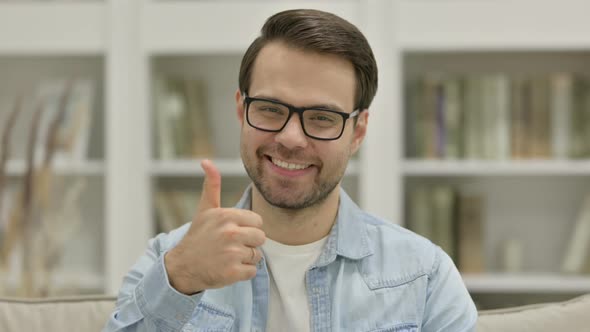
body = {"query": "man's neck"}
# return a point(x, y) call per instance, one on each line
point(297, 227)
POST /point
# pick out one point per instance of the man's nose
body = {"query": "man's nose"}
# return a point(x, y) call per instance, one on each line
point(292, 136)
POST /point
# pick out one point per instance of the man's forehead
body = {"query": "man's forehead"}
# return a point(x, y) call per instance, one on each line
point(303, 78)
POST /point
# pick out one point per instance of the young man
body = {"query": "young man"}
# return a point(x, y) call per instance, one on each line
point(296, 254)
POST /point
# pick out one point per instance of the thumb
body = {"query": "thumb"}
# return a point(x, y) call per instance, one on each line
point(211, 195)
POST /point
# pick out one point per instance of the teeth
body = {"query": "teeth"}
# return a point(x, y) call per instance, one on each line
point(289, 166)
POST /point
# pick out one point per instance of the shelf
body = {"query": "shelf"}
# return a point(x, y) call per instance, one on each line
point(494, 168)
point(533, 283)
point(185, 27)
point(53, 28)
point(494, 25)
point(227, 167)
point(78, 168)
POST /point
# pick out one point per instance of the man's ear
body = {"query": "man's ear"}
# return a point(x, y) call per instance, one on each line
point(240, 106)
point(360, 130)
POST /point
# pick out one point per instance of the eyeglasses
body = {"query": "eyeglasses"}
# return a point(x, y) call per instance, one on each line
point(318, 123)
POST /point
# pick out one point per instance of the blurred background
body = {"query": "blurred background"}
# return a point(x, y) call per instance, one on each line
point(479, 135)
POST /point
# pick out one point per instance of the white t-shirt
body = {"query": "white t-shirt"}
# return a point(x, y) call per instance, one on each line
point(288, 307)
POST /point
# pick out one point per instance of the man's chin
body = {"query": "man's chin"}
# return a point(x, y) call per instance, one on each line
point(287, 200)
point(292, 205)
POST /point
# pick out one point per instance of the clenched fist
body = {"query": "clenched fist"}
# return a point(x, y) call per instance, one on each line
point(219, 248)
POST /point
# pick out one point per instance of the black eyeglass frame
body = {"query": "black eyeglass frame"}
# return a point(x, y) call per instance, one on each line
point(299, 110)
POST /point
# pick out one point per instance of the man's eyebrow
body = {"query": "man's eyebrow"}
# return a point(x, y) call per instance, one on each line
point(332, 107)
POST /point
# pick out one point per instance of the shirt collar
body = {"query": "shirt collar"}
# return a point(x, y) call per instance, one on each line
point(349, 236)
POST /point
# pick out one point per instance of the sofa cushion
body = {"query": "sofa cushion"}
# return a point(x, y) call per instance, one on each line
point(91, 313)
point(572, 315)
point(64, 314)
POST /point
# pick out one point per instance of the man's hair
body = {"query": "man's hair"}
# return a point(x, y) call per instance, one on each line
point(321, 32)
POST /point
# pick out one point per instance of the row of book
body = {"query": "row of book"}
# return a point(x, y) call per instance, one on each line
point(455, 221)
point(498, 117)
point(182, 124)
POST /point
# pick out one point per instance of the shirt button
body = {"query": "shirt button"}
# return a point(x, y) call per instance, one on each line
point(180, 316)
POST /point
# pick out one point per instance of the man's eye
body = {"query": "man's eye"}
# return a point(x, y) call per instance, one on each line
point(270, 109)
point(322, 118)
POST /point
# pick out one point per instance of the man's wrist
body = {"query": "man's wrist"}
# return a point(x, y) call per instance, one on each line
point(176, 275)
point(161, 303)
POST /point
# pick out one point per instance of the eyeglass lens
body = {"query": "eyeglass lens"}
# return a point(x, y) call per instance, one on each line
point(267, 115)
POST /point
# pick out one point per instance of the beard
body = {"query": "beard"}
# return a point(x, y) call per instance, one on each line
point(290, 194)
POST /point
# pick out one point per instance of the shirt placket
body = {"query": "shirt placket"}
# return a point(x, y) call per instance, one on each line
point(260, 290)
point(318, 294)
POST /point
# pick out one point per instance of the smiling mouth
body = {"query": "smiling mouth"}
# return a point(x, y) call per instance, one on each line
point(288, 165)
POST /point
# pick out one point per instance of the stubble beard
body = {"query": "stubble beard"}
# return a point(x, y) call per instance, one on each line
point(287, 196)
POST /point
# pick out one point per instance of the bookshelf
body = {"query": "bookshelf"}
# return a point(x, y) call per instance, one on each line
point(128, 45)
point(531, 203)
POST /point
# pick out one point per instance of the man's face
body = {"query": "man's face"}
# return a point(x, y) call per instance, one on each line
point(289, 169)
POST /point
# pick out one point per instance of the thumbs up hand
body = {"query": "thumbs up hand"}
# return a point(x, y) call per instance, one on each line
point(219, 248)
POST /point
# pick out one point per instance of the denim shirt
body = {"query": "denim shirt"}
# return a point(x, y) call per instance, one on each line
point(372, 275)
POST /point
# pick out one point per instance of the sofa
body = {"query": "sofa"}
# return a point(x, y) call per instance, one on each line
point(89, 313)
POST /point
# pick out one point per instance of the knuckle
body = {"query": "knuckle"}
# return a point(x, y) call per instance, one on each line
point(230, 233)
point(233, 252)
point(208, 215)
point(260, 238)
point(253, 217)
point(223, 215)
point(258, 220)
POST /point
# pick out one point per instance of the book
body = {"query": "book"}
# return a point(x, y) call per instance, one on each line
point(197, 120)
point(420, 212)
point(561, 114)
point(585, 120)
point(470, 251)
point(183, 128)
point(432, 214)
point(579, 127)
point(474, 122)
point(443, 218)
point(498, 143)
point(540, 118)
point(430, 108)
point(578, 249)
point(487, 122)
point(453, 118)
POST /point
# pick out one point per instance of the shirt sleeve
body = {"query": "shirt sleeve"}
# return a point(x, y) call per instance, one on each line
point(147, 301)
point(449, 307)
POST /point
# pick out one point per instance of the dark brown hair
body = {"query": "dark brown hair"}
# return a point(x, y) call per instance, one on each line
point(321, 32)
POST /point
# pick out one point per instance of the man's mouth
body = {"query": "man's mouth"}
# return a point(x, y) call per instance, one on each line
point(288, 165)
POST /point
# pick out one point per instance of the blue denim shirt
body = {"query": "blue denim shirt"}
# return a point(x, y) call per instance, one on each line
point(372, 275)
